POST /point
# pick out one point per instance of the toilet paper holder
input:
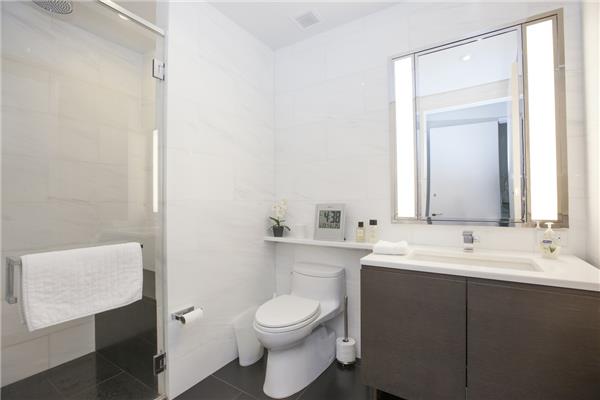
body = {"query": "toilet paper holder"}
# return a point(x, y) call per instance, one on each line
point(180, 315)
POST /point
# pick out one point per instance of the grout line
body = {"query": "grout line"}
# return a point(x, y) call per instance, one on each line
point(49, 378)
point(95, 385)
point(251, 395)
point(235, 387)
point(60, 393)
point(132, 376)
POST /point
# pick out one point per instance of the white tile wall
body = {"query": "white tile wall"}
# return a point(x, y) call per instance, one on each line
point(71, 343)
point(25, 359)
point(332, 128)
point(591, 41)
point(219, 185)
point(73, 164)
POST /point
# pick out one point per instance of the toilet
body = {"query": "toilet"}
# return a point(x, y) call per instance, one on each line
point(291, 328)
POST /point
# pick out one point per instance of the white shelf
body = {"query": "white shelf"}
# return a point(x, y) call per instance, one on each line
point(321, 243)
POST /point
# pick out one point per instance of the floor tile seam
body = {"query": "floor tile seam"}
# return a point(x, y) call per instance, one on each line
point(128, 373)
point(60, 393)
point(250, 394)
point(49, 378)
point(94, 385)
point(235, 387)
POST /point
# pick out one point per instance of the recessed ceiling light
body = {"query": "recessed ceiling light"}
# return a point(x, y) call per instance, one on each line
point(466, 57)
point(123, 17)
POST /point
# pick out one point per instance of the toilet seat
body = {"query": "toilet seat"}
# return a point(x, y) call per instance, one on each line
point(286, 313)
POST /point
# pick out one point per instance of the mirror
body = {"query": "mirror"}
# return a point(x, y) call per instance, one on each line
point(469, 128)
point(476, 138)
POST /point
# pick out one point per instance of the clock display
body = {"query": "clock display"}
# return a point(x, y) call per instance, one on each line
point(330, 219)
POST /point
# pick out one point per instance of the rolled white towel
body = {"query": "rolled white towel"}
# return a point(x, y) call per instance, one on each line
point(391, 248)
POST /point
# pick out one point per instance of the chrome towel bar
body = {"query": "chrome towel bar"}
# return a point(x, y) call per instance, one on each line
point(12, 264)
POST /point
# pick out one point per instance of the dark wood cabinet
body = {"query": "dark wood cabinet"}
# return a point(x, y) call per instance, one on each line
point(532, 342)
point(413, 333)
point(434, 337)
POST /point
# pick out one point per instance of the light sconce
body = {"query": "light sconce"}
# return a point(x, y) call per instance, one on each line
point(404, 94)
point(541, 66)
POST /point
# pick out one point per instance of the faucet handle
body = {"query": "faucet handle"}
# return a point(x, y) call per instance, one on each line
point(468, 240)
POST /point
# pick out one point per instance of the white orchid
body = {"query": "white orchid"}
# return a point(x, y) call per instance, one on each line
point(280, 210)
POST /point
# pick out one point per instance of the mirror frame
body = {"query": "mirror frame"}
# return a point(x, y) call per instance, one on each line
point(562, 220)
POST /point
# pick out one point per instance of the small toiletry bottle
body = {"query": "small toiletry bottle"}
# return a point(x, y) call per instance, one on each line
point(549, 245)
point(360, 232)
point(372, 231)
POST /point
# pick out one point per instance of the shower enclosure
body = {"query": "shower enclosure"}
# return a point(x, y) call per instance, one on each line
point(81, 166)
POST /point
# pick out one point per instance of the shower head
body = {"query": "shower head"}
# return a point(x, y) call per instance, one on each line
point(56, 6)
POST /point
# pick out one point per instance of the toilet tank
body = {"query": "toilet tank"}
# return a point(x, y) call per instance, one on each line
point(319, 282)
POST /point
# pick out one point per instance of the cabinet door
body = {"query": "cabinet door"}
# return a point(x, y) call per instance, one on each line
point(528, 342)
point(413, 333)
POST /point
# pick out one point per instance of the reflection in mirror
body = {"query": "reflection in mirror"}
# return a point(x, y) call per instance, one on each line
point(479, 131)
point(470, 129)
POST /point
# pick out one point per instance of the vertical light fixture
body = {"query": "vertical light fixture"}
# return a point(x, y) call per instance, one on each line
point(404, 93)
point(515, 123)
point(155, 171)
point(541, 111)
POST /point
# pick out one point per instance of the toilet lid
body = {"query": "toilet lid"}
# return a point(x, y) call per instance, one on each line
point(286, 310)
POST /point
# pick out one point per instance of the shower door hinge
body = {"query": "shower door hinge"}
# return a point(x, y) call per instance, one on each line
point(158, 69)
point(159, 362)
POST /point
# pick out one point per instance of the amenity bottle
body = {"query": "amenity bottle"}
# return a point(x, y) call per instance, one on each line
point(360, 232)
point(372, 231)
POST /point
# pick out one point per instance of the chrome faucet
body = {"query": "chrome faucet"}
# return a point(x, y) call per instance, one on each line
point(469, 240)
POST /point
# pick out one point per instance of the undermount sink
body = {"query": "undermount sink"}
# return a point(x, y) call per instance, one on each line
point(521, 264)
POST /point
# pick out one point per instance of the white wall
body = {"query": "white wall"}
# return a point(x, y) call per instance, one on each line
point(457, 189)
point(591, 42)
point(219, 184)
point(75, 170)
point(332, 127)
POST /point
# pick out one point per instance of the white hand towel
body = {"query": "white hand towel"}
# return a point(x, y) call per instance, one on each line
point(61, 286)
point(391, 248)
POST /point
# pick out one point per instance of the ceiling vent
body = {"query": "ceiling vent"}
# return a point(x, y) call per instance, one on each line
point(307, 20)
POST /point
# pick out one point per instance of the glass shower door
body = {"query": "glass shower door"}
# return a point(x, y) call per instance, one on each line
point(81, 153)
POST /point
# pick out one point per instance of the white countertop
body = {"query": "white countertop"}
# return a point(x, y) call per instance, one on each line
point(567, 271)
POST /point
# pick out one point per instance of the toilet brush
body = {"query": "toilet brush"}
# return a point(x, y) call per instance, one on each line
point(345, 351)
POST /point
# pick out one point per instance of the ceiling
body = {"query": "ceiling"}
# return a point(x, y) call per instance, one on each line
point(143, 8)
point(273, 22)
point(104, 22)
point(475, 63)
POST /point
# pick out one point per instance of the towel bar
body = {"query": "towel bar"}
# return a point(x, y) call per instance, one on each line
point(11, 265)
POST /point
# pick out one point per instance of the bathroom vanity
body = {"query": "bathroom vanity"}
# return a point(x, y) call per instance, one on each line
point(443, 324)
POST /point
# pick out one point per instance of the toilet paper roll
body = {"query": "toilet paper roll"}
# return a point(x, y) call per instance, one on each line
point(345, 352)
point(191, 317)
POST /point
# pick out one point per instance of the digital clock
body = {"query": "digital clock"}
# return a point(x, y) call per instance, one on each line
point(330, 222)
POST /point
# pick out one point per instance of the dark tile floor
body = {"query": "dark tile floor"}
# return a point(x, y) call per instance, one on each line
point(233, 382)
point(91, 377)
point(134, 356)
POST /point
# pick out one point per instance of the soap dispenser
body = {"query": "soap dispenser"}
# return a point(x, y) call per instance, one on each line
point(549, 245)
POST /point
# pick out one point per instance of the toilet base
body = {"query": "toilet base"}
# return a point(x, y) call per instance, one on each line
point(292, 369)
